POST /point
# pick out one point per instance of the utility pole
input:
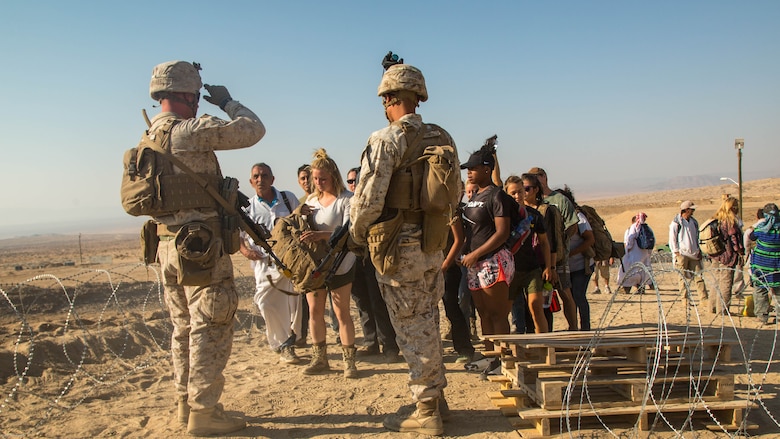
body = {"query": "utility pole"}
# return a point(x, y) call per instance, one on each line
point(81, 259)
point(739, 144)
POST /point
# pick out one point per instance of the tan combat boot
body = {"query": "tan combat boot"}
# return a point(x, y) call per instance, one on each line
point(319, 360)
point(424, 420)
point(183, 410)
point(350, 370)
point(212, 421)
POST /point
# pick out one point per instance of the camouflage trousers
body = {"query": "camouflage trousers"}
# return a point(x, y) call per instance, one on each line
point(202, 320)
point(412, 295)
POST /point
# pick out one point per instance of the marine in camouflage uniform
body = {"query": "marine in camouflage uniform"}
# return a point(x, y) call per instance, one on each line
point(202, 316)
point(413, 291)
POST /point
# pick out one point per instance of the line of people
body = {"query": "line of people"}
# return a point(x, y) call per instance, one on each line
point(411, 280)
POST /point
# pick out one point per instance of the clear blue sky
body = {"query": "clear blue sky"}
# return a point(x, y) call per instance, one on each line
point(593, 91)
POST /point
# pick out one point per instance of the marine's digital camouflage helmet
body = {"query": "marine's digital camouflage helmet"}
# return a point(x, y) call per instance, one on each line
point(403, 77)
point(175, 77)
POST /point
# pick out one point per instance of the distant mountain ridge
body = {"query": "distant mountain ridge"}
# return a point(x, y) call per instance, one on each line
point(595, 190)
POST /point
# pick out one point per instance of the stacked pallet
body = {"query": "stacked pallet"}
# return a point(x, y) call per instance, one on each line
point(577, 378)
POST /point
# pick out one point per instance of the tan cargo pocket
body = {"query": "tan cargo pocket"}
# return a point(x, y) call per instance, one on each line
point(198, 249)
point(149, 242)
point(435, 231)
point(383, 244)
point(219, 304)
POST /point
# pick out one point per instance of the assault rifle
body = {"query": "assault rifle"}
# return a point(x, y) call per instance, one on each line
point(258, 232)
point(339, 236)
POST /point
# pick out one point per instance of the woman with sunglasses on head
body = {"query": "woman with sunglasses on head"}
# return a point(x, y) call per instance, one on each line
point(490, 264)
point(532, 263)
point(725, 263)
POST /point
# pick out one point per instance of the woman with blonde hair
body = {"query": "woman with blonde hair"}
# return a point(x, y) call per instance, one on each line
point(725, 263)
point(328, 208)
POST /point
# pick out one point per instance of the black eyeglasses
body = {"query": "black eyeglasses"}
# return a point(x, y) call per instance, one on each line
point(351, 181)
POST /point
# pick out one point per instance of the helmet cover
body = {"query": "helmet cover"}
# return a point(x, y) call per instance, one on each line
point(403, 77)
point(175, 77)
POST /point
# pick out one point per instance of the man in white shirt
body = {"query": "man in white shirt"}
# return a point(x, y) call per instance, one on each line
point(684, 245)
point(279, 305)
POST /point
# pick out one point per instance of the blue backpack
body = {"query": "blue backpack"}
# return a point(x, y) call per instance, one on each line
point(645, 239)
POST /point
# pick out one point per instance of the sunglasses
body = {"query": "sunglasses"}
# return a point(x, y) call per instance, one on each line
point(351, 181)
point(527, 188)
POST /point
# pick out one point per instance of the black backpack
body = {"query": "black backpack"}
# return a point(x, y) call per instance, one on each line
point(645, 239)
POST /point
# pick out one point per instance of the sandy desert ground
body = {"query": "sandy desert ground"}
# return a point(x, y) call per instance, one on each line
point(84, 343)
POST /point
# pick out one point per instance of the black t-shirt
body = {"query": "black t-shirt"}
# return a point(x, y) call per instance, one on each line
point(526, 258)
point(478, 215)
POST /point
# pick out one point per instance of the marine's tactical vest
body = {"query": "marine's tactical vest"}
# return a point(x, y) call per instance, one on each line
point(149, 185)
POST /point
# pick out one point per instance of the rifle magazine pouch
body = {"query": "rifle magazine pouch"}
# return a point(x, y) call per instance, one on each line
point(149, 242)
point(229, 223)
point(198, 248)
point(231, 235)
point(382, 242)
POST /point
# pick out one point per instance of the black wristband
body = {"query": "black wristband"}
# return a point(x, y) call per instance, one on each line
point(224, 103)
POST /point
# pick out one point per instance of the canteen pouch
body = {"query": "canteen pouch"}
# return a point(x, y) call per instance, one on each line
point(436, 230)
point(198, 248)
point(149, 242)
point(383, 243)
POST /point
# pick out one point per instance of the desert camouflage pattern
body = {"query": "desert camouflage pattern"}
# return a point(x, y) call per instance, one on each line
point(412, 295)
point(174, 77)
point(193, 141)
point(202, 320)
point(403, 77)
point(413, 292)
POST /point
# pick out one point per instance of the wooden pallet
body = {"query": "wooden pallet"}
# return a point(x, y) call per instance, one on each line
point(640, 350)
point(610, 369)
point(537, 420)
point(630, 388)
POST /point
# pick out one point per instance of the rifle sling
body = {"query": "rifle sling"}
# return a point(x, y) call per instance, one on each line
point(210, 190)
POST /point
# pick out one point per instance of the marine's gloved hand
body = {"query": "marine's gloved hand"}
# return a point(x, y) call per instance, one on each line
point(391, 59)
point(219, 95)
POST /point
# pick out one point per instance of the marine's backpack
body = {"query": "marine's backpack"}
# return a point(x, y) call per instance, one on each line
point(645, 239)
point(603, 244)
point(428, 183)
point(711, 241)
point(303, 259)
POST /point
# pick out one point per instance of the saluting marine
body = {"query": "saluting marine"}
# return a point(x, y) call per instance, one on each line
point(197, 273)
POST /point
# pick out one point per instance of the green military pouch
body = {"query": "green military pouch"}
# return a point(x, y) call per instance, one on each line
point(229, 223)
point(231, 234)
point(435, 231)
point(149, 242)
point(382, 243)
point(199, 249)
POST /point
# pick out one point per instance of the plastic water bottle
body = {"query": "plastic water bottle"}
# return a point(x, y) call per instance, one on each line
point(547, 290)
